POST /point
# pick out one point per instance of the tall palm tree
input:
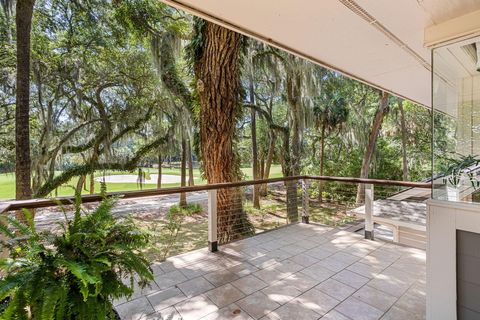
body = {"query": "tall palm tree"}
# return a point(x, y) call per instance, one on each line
point(23, 20)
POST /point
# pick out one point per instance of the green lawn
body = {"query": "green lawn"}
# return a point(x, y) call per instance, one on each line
point(7, 181)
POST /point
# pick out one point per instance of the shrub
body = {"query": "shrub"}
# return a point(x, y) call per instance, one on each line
point(74, 275)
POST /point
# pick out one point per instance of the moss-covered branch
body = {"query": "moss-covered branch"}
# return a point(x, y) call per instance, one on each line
point(84, 169)
point(163, 49)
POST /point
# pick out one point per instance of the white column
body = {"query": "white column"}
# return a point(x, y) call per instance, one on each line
point(369, 199)
point(305, 201)
point(212, 220)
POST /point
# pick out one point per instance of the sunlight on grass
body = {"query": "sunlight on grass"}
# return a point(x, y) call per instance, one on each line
point(7, 181)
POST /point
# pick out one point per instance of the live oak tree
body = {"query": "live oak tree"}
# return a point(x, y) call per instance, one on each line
point(216, 58)
point(109, 86)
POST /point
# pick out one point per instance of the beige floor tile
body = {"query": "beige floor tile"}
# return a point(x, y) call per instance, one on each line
point(333, 264)
point(195, 286)
point(345, 257)
point(196, 308)
point(262, 262)
point(375, 261)
point(318, 301)
point(135, 309)
point(318, 272)
point(335, 289)
point(304, 259)
point(231, 312)
point(272, 245)
point(300, 281)
point(319, 253)
point(157, 268)
point(396, 313)
point(278, 255)
point(287, 266)
point(198, 269)
point(358, 310)
point(293, 249)
point(351, 278)
point(376, 298)
point(224, 295)
point(243, 269)
point(170, 279)
point(221, 277)
point(168, 266)
point(270, 275)
point(166, 314)
point(389, 284)
point(365, 270)
point(413, 303)
point(306, 244)
point(253, 252)
point(384, 256)
point(293, 310)
point(257, 305)
point(281, 293)
point(249, 284)
point(166, 298)
point(357, 250)
point(334, 315)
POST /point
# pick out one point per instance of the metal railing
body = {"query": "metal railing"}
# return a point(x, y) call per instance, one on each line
point(229, 205)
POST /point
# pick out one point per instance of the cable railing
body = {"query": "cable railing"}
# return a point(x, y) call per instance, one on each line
point(183, 219)
point(48, 202)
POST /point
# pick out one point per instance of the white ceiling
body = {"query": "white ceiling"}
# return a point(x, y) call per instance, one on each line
point(328, 32)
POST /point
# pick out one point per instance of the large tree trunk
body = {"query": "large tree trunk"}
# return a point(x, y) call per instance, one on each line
point(321, 183)
point(253, 126)
point(23, 189)
point(372, 141)
point(191, 178)
point(404, 141)
point(217, 72)
point(183, 172)
point(160, 162)
point(294, 96)
point(268, 162)
point(92, 182)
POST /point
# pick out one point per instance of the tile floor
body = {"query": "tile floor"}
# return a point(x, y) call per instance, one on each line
point(297, 272)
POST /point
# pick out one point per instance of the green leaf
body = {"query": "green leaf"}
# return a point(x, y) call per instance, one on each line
point(50, 300)
point(79, 270)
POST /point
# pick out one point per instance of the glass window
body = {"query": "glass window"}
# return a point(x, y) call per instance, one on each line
point(456, 132)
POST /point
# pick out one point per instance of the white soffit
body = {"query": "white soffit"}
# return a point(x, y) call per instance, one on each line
point(380, 42)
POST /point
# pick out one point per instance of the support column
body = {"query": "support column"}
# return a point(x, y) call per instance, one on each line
point(212, 221)
point(369, 199)
point(305, 201)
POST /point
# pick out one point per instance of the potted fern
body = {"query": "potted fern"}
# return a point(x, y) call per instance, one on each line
point(73, 275)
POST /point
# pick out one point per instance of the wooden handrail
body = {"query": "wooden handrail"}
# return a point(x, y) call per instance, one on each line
point(41, 203)
point(394, 183)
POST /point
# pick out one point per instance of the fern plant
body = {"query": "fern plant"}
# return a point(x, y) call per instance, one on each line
point(73, 275)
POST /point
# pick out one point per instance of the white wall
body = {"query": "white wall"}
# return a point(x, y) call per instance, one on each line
point(443, 220)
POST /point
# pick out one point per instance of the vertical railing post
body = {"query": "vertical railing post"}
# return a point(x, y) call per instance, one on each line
point(305, 203)
point(369, 199)
point(212, 220)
